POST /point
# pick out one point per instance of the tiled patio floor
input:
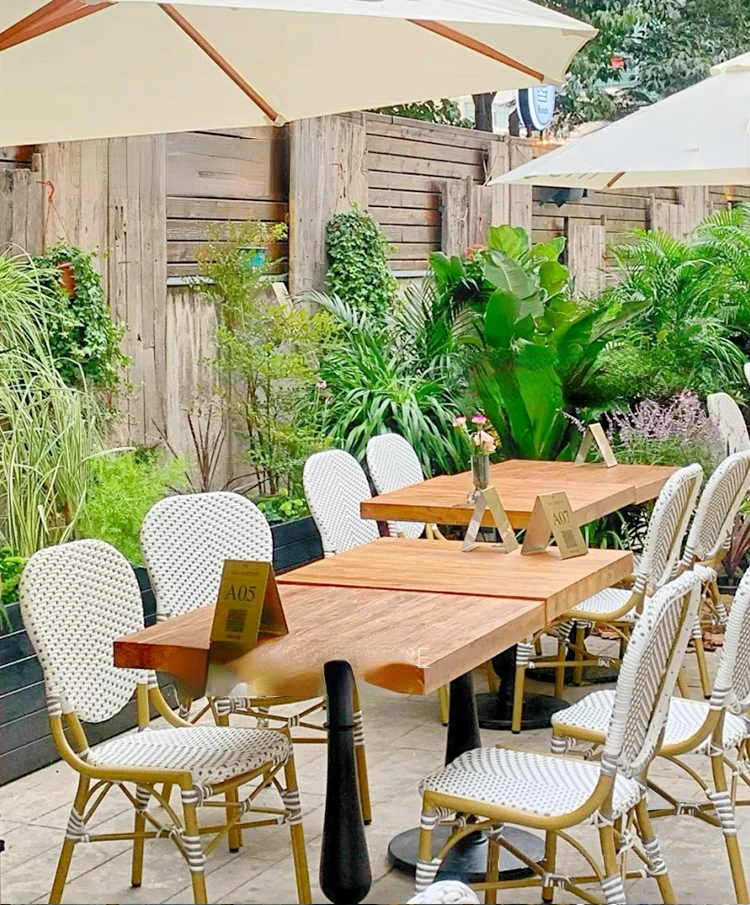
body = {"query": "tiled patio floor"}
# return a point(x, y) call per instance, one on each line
point(404, 742)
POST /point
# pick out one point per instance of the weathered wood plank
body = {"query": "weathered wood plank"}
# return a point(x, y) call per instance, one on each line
point(444, 169)
point(328, 173)
point(226, 209)
point(457, 196)
point(435, 133)
point(182, 252)
point(197, 230)
point(403, 147)
point(520, 195)
point(216, 166)
point(409, 234)
point(587, 256)
point(397, 199)
point(409, 216)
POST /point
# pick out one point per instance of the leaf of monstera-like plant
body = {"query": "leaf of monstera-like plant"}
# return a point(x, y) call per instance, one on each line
point(506, 274)
point(511, 240)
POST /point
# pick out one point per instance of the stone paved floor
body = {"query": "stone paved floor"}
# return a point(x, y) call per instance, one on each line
point(404, 742)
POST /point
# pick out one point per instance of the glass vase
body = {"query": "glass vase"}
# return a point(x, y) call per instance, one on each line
point(480, 471)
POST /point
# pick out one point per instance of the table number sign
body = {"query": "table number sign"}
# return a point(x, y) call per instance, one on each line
point(553, 516)
point(489, 499)
point(248, 607)
point(595, 436)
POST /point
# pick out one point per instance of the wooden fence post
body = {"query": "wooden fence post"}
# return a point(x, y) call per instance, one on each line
point(456, 205)
point(521, 196)
point(587, 255)
point(327, 174)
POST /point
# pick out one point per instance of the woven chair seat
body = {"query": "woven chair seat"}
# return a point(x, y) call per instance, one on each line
point(212, 754)
point(539, 784)
point(446, 892)
point(607, 601)
point(594, 712)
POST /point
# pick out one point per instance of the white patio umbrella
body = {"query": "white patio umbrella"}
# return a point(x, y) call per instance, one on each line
point(700, 136)
point(75, 69)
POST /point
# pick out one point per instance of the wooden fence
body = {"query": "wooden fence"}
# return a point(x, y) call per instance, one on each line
point(145, 204)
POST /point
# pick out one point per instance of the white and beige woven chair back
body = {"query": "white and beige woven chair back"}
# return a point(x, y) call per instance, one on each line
point(648, 675)
point(185, 540)
point(393, 464)
point(76, 599)
point(335, 485)
point(666, 529)
point(717, 508)
point(732, 684)
point(729, 421)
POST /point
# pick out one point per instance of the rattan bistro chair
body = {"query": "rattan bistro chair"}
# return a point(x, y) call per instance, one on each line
point(729, 421)
point(707, 540)
point(393, 464)
point(487, 788)
point(76, 599)
point(619, 607)
point(712, 729)
point(185, 540)
point(334, 486)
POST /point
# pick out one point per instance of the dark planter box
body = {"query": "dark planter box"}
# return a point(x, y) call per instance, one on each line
point(25, 740)
point(295, 543)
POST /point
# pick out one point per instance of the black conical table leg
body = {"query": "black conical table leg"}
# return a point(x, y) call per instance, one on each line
point(467, 860)
point(345, 875)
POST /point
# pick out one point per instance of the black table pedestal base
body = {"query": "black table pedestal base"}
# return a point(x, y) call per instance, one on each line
point(537, 711)
point(467, 861)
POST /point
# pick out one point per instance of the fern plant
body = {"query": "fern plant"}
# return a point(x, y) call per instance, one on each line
point(690, 332)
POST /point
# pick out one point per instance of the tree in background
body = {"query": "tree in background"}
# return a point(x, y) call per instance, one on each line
point(646, 50)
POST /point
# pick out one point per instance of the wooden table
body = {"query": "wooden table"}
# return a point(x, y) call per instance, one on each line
point(406, 640)
point(593, 490)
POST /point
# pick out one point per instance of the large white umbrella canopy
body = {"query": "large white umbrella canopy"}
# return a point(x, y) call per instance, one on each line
point(75, 69)
point(700, 136)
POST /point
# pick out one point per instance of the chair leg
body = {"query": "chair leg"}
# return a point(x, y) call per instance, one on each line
point(700, 653)
point(562, 652)
point(73, 835)
point(612, 886)
point(493, 868)
point(653, 852)
point(682, 683)
point(193, 849)
point(360, 755)
point(142, 795)
point(550, 862)
point(232, 797)
point(299, 852)
point(580, 640)
point(443, 703)
point(517, 714)
point(427, 866)
point(492, 680)
point(722, 802)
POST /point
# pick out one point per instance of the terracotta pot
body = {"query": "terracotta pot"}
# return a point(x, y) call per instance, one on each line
point(67, 278)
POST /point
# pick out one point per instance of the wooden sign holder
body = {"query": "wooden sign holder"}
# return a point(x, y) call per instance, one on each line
point(489, 499)
point(248, 608)
point(552, 516)
point(595, 436)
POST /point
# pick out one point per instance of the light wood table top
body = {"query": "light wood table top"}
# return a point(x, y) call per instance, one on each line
point(593, 490)
point(402, 564)
point(404, 641)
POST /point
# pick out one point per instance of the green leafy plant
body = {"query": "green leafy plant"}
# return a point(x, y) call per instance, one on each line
point(696, 299)
point(84, 339)
point(394, 372)
point(537, 350)
point(283, 507)
point(359, 272)
point(445, 111)
point(267, 357)
point(11, 567)
point(125, 486)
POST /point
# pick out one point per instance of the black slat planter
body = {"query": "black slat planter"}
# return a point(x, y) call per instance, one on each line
point(25, 741)
point(295, 543)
